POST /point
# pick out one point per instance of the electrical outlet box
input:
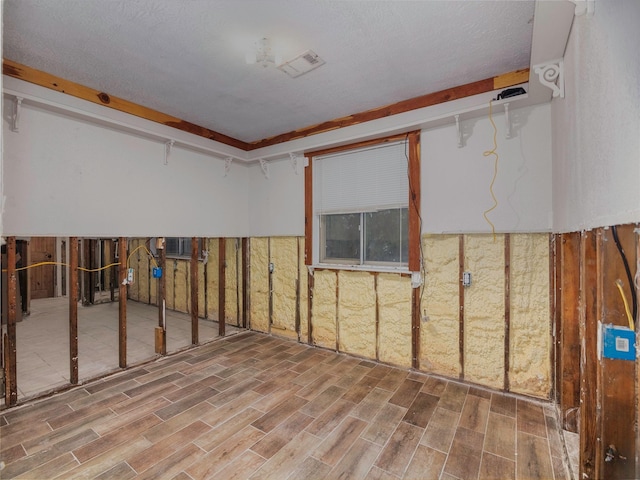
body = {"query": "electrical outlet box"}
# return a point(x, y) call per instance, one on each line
point(466, 279)
point(618, 342)
point(157, 272)
point(130, 276)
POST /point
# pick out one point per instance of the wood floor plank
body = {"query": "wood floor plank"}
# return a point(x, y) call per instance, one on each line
point(310, 469)
point(181, 405)
point(332, 449)
point(392, 380)
point(242, 467)
point(330, 418)
point(360, 389)
point(208, 465)
point(530, 419)
point(115, 380)
point(13, 453)
point(172, 464)
point(74, 416)
point(421, 410)
point(434, 386)
point(533, 459)
point(216, 436)
point(399, 450)
point(475, 413)
point(426, 463)
point(465, 454)
point(357, 461)
point(323, 401)
point(279, 413)
point(145, 459)
point(377, 473)
point(384, 424)
point(493, 466)
point(279, 466)
point(280, 436)
point(121, 471)
point(371, 404)
point(441, 429)
point(52, 468)
point(503, 404)
point(406, 393)
point(156, 385)
point(501, 436)
point(317, 386)
point(216, 415)
point(453, 397)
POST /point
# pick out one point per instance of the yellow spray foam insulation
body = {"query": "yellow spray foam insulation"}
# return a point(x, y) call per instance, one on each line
point(201, 289)
point(304, 297)
point(394, 317)
point(213, 297)
point(284, 256)
point(259, 284)
point(324, 308)
point(484, 310)
point(357, 313)
point(530, 363)
point(439, 335)
point(168, 282)
point(181, 286)
point(231, 254)
point(142, 272)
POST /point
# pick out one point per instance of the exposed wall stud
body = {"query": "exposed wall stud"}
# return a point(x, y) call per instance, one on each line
point(161, 331)
point(461, 304)
point(11, 378)
point(73, 310)
point(246, 322)
point(194, 290)
point(222, 287)
point(122, 303)
point(310, 285)
point(507, 309)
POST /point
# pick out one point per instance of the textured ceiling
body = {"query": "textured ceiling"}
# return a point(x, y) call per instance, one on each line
point(186, 58)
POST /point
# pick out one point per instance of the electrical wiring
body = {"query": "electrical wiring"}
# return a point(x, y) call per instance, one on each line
point(634, 298)
point(495, 171)
point(148, 253)
point(61, 264)
point(626, 304)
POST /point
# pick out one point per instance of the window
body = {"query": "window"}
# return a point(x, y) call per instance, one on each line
point(361, 207)
point(180, 246)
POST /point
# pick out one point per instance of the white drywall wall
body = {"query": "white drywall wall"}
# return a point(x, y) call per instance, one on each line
point(596, 127)
point(455, 181)
point(69, 176)
point(277, 203)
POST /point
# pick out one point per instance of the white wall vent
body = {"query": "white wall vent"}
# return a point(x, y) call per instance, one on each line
point(303, 63)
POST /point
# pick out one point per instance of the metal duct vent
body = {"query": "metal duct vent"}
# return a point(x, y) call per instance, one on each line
point(303, 63)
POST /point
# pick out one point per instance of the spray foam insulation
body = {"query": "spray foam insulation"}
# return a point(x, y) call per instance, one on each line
point(213, 299)
point(231, 280)
point(394, 317)
point(530, 368)
point(324, 308)
point(304, 281)
point(357, 313)
point(259, 284)
point(181, 286)
point(484, 310)
point(284, 256)
point(439, 334)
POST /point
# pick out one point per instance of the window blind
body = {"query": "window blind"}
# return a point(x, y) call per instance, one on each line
point(365, 180)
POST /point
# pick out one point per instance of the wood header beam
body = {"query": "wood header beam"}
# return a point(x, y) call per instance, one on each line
point(44, 79)
point(38, 77)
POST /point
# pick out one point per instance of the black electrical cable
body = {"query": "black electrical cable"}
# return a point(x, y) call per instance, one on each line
point(634, 298)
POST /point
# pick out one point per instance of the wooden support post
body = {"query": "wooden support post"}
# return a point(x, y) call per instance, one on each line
point(310, 285)
point(222, 294)
point(414, 234)
point(161, 329)
point(308, 213)
point(122, 303)
point(297, 318)
point(113, 270)
point(11, 376)
point(415, 327)
point(375, 287)
point(91, 276)
point(461, 288)
point(270, 287)
point(73, 309)
point(245, 281)
point(590, 443)
point(507, 309)
point(194, 290)
point(337, 311)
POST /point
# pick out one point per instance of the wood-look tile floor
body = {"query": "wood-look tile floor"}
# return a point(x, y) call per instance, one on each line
point(259, 407)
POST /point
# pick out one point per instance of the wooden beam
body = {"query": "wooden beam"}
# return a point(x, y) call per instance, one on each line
point(73, 309)
point(507, 309)
point(222, 286)
point(161, 331)
point(590, 443)
point(461, 288)
point(443, 96)
point(310, 285)
point(308, 211)
point(122, 303)
point(245, 282)
point(297, 317)
point(11, 392)
point(415, 223)
point(43, 79)
point(193, 270)
point(415, 327)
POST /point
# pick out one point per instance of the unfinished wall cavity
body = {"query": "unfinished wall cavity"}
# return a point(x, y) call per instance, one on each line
point(530, 366)
point(356, 313)
point(440, 326)
point(394, 319)
point(284, 278)
point(259, 284)
point(324, 306)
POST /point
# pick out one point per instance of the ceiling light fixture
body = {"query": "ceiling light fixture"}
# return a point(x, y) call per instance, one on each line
point(263, 54)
